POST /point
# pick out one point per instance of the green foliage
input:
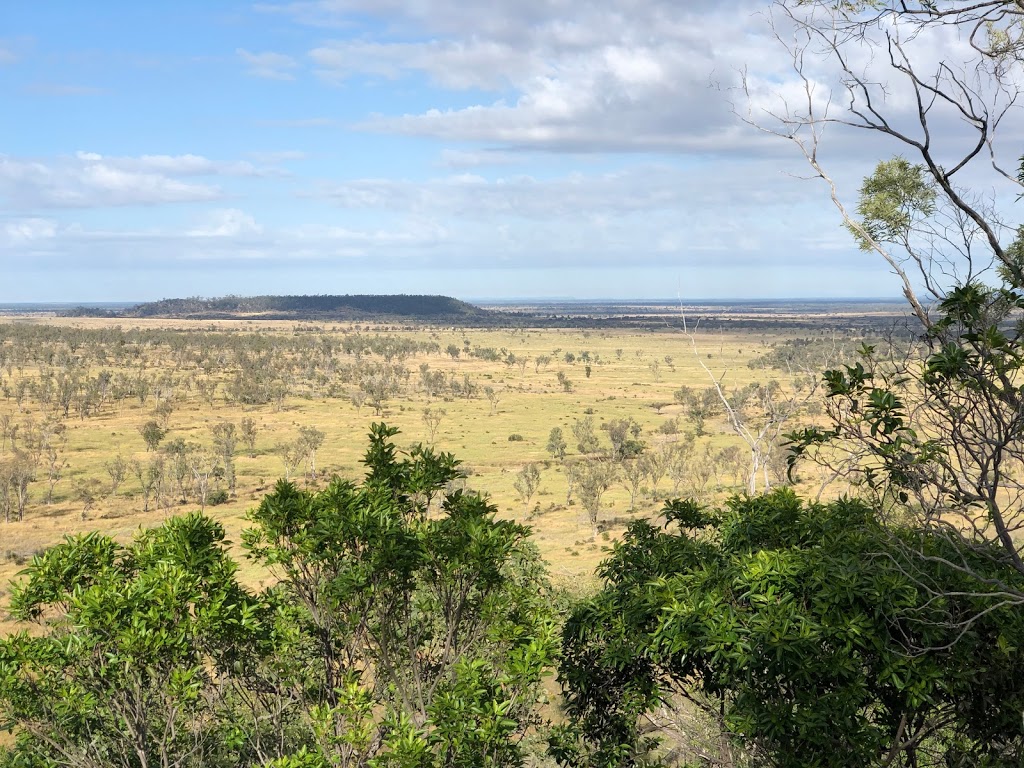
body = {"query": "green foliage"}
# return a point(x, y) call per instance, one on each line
point(700, 405)
point(527, 482)
point(424, 618)
point(139, 644)
point(218, 497)
point(816, 637)
point(306, 306)
point(624, 435)
point(896, 196)
point(586, 439)
point(931, 431)
point(409, 628)
point(152, 433)
point(556, 443)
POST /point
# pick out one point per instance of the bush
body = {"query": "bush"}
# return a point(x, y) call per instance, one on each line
point(218, 497)
point(669, 426)
point(812, 629)
point(153, 652)
point(515, 437)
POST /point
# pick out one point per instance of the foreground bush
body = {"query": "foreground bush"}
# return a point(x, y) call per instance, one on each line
point(807, 635)
point(409, 628)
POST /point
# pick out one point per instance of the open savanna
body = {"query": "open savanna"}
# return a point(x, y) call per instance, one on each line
point(633, 375)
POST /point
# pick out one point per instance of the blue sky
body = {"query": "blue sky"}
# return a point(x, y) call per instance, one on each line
point(478, 149)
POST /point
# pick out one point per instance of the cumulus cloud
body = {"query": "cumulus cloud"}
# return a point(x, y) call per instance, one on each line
point(609, 75)
point(228, 222)
point(88, 179)
point(27, 231)
point(268, 65)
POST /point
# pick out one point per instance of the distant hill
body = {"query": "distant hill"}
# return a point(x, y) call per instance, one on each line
point(431, 308)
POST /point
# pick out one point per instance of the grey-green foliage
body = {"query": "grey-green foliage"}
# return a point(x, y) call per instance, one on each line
point(583, 431)
point(893, 201)
point(526, 482)
point(556, 443)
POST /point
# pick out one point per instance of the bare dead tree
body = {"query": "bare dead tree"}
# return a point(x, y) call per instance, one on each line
point(760, 413)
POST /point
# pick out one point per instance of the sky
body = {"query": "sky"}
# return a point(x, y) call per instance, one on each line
point(507, 148)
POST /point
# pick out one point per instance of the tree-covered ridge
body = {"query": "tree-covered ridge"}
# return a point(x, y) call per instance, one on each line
point(294, 307)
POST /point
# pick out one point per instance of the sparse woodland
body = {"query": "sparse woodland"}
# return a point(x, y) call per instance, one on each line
point(308, 545)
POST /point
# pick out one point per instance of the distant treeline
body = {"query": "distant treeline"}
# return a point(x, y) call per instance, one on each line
point(444, 310)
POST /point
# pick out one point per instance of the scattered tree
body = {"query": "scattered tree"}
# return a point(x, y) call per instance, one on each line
point(117, 470)
point(432, 418)
point(527, 482)
point(595, 479)
point(248, 429)
point(492, 397)
point(152, 433)
point(556, 444)
point(583, 431)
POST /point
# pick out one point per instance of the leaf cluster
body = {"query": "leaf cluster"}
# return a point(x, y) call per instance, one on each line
point(813, 634)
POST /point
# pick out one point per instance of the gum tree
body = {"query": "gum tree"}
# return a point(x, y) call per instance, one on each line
point(936, 433)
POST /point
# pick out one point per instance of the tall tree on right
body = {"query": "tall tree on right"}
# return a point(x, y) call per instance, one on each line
point(937, 431)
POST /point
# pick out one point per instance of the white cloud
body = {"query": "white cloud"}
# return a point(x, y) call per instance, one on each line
point(91, 180)
point(226, 236)
point(27, 231)
point(84, 183)
point(462, 159)
point(7, 56)
point(720, 192)
point(269, 65)
point(603, 76)
point(609, 75)
point(228, 222)
point(174, 165)
point(451, 64)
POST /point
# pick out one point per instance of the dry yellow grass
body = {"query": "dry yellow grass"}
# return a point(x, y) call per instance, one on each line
point(622, 384)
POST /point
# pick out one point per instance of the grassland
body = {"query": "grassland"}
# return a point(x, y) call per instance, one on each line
point(632, 375)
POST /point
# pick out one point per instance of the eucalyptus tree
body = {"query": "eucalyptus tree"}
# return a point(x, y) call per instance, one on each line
point(937, 434)
point(527, 482)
